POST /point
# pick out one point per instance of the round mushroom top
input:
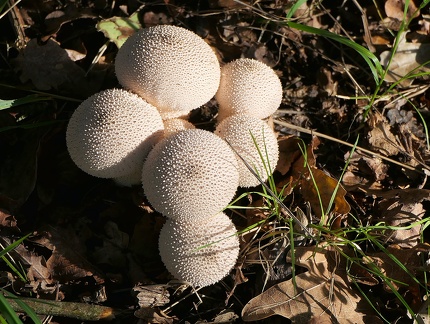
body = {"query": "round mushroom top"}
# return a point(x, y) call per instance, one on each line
point(110, 133)
point(253, 140)
point(174, 125)
point(171, 67)
point(190, 174)
point(248, 86)
point(200, 253)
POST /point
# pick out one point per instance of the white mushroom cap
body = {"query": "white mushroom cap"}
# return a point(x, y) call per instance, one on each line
point(241, 131)
point(110, 133)
point(171, 67)
point(192, 173)
point(248, 86)
point(174, 125)
point(200, 253)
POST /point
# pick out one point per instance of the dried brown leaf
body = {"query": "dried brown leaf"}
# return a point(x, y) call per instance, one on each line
point(401, 208)
point(380, 136)
point(321, 198)
point(292, 164)
point(296, 171)
point(364, 172)
point(411, 258)
point(395, 9)
point(49, 66)
point(38, 274)
point(67, 261)
point(409, 57)
point(152, 295)
point(322, 293)
point(6, 219)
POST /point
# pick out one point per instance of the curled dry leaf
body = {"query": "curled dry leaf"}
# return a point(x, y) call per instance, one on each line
point(408, 58)
point(395, 9)
point(7, 220)
point(364, 172)
point(66, 262)
point(380, 136)
point(152, 295)
point(323, 293)
point(49, 66)
point(319, 190)
point(402, 208)
point(315, 185)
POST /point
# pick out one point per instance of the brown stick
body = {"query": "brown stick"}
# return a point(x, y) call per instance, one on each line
point(80, 311)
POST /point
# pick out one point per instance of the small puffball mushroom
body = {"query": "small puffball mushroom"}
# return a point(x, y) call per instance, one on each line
point(241, 131)
point(200, 253)
point(248, 86)
point(174, 125)
point(110, 133)
point(192, 173)
point(170, 67)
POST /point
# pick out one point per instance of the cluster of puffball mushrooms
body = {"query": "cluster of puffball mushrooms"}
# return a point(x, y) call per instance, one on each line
point(140, 135)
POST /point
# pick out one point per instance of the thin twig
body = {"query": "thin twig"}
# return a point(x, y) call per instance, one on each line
point(358, 148)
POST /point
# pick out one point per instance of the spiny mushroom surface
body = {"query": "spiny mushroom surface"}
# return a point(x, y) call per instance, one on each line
point(174, 125)
point(192, 173)
point(248, 86)
point(248, 135)
point(183, 249)
point(171, 67)
point(110, 133)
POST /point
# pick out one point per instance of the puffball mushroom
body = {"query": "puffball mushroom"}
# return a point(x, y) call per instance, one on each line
point(200, 253)
point(110, 133)
point(171, 67)
point(250, 137)
point(190, 174)
point(174, 125)
point(248, 86)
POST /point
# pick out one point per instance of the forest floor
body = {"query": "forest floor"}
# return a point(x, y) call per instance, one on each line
point(354, 153)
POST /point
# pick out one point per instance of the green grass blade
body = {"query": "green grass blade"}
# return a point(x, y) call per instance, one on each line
point(371, 60)
point(294, 8)
point(31, 126)
point(27, 309)
point(6, 104)
point(13, 245)
point(3, 3)
point(6, 310)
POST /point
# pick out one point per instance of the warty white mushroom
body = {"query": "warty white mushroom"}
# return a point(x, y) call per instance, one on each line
point(171, 67)
point(110, 133)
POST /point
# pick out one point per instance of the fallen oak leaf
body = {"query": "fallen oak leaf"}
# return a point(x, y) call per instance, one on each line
point(321, 293)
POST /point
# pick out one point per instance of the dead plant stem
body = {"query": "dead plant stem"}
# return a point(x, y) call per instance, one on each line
point(358, 148)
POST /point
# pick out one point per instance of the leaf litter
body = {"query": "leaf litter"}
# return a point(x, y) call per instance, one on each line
point(95, 242)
